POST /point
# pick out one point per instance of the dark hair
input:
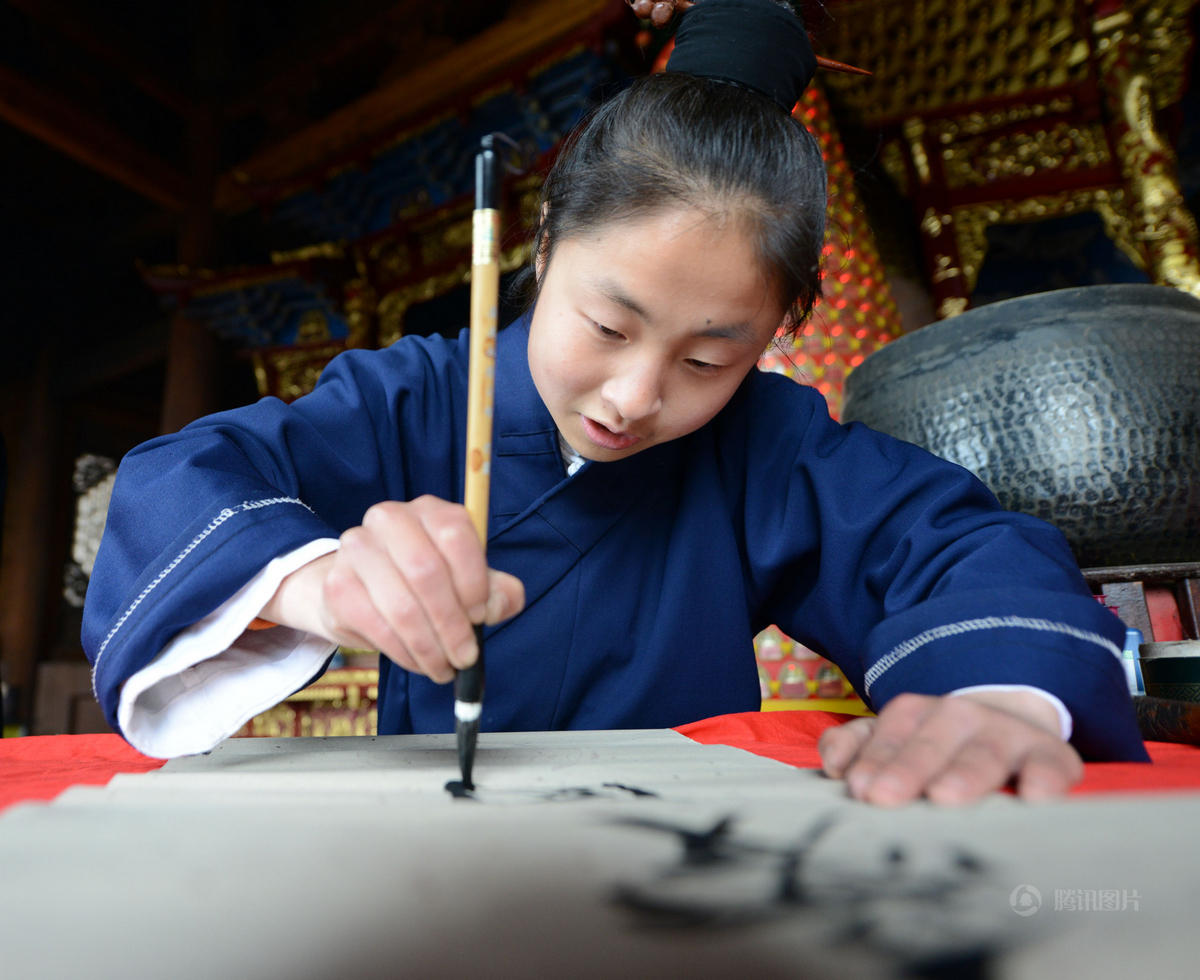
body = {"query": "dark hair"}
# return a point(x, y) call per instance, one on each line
point(672, 140)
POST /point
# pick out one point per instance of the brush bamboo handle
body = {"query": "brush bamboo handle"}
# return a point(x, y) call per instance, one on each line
point(481, 376)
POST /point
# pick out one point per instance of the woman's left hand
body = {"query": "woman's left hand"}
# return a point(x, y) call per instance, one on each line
point(953, 750)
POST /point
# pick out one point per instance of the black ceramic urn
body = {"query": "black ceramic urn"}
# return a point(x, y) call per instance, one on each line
point(1079, 406)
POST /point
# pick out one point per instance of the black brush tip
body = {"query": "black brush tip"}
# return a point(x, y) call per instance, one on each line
point(466, 733)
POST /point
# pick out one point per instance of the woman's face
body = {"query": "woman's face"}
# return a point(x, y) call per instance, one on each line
point(644, 329)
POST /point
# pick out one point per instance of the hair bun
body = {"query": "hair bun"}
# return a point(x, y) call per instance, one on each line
point(756, 43)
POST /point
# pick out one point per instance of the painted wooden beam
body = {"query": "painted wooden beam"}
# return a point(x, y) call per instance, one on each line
point(528, 30)
point(90, 141)
point(105, 45)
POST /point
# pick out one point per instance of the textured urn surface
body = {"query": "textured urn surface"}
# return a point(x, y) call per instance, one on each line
point(1079, 406)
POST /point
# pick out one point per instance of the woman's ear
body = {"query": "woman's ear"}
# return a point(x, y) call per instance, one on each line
point(542, 244)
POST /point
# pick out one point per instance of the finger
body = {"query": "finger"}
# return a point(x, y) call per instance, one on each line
point(1049, 771)
point(913, 748)
point(893, 727)
point(393, 594)
point(839, 746)
point(979, 767)
point(449, 527)
point(661, 14)
point(351, 618)
point(506, 596)
point(642, 7)
point(428, 614)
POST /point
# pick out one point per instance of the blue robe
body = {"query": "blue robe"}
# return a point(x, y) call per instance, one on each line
point(647, 578)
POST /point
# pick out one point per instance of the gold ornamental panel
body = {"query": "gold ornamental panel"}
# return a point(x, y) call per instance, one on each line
point(1153, 37)
point(395, 305)
point(971, 222)
point(289, 372)
point(387, 259)
point(929, 55)
point(1062, 147)
point(341, 702)
point(320, 250)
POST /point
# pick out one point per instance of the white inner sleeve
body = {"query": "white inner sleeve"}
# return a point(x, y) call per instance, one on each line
point(1065, 723)
point(216, 675)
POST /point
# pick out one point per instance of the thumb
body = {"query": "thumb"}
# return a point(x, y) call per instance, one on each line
point(506, 596)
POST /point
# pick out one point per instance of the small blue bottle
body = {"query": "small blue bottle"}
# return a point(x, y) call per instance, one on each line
point(1131, 662)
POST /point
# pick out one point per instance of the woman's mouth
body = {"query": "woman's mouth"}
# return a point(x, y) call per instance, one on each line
point(607, 438)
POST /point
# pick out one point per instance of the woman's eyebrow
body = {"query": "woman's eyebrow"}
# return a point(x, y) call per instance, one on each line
point(729, 331)
point(612, 291)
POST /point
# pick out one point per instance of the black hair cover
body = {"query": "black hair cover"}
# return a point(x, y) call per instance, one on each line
point(757, 43)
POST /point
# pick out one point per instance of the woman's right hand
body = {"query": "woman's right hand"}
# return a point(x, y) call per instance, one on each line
point(658, 12)
point(411, 582)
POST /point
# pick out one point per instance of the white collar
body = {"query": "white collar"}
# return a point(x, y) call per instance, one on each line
point(571, 459)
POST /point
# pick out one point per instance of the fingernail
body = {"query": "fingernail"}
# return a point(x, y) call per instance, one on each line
point(467, 655)
point(478, 613)
point(948, 789)
point(857, 782)
point(887, 790)
point(497, 605)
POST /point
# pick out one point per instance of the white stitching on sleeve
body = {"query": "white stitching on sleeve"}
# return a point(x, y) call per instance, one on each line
point(902, 650)
point(222, 516)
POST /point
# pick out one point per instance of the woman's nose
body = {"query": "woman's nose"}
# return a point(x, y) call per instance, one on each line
point(635, 392)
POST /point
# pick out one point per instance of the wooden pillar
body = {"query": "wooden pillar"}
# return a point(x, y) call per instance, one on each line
point(191, 376)
point(33, 442)
point(191, 384)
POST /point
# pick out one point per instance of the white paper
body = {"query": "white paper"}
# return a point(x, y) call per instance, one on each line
point(346, 857)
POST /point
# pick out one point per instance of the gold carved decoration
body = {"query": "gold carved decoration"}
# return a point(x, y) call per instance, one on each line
point(289, 372)
point(971, 222)
point(389, 258)
point(360, 312)
point(1062, 147)
point(454, 239)
point(944, 268)
point(1152, 38)
point(933, 55)
point(342, 702)
point(892, 158)
point(932, 223)
point(437, 241)
point(320, 250)
point(951, 306)
point(914, 131)
point(394, 306)
point(1166, 228)
point(313, 327)
point(979, 121)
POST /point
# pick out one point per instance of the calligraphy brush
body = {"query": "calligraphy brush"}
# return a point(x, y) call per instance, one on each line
point(485, 291)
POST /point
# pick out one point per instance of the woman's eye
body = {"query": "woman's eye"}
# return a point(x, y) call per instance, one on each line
point(702, 365)
point(606, 331)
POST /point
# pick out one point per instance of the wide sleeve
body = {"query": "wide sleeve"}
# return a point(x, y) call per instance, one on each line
point(905, 571)
point(197, 514)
